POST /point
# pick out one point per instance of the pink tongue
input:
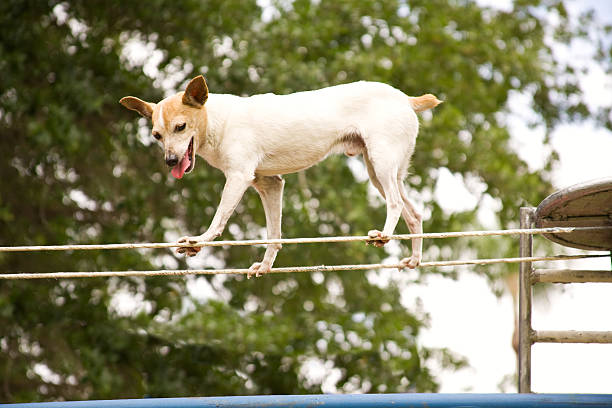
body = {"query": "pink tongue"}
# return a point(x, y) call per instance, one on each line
point(178, 171)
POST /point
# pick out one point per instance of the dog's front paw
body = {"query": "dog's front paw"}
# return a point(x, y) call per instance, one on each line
point(378, 239)
point(189, 250)
point(258, 269)
point(411, 262)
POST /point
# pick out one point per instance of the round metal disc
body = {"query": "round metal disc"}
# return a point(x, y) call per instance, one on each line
point(582, 205)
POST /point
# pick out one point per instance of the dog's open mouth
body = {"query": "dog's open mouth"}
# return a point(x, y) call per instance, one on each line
point(186, 164)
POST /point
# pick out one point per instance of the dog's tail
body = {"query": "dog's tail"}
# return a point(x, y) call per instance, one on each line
point(424, 102)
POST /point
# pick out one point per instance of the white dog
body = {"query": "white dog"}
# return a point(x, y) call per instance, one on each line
point(256, 139)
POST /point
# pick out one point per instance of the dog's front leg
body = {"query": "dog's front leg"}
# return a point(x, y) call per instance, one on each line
point(270, 190)
point(235, 186)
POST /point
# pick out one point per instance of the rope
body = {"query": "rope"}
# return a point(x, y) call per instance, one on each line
point(291, 269)
point(312, 240)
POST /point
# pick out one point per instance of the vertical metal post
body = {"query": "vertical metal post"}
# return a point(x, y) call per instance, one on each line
point(525, 331)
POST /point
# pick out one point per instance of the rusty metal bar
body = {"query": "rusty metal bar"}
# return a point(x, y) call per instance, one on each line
point(525, 331)
point(572, 336)
point(570, 276)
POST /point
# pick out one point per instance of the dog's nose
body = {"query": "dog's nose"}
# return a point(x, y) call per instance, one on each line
point(171, 160)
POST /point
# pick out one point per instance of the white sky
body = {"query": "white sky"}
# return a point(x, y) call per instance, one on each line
point(467, 318)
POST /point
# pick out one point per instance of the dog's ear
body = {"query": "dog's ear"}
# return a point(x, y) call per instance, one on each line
point(138, 105)
point(196, 92)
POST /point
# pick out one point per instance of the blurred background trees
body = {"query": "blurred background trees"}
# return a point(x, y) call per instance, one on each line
point(78, 168)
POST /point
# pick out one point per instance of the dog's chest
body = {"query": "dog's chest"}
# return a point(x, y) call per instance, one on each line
point(212, 157)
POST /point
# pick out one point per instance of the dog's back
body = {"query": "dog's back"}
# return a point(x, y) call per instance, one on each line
point(342, 118)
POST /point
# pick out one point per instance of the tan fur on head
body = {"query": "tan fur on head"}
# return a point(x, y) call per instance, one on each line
point(184, 108)
point(424, 102)
point(179, 123)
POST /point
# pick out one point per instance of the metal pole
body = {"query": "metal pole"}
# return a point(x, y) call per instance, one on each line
point(525, 340)
point(409, 400)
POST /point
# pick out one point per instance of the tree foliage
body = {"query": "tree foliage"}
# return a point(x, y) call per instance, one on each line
point(78, 168)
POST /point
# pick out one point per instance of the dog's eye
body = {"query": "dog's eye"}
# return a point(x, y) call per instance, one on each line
point(156, 135)
point(180, 127)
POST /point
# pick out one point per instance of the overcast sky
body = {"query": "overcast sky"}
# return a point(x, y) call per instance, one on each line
point(467, 318)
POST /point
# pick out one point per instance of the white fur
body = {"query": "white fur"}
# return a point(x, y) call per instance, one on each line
point(279, 134)
point(160, 116)
point(254, 140)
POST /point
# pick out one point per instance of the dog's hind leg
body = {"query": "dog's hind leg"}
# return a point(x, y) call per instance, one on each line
point(375, 183)
point(414, 221)
point(409, 214)
point(383, 174)
point(270, 190)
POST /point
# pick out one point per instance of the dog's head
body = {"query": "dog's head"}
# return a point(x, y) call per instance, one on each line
point(178, 121)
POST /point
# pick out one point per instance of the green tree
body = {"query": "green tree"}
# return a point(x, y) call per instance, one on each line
point(79, 168)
